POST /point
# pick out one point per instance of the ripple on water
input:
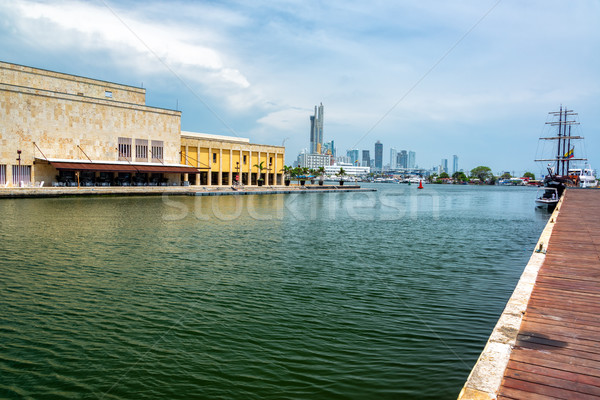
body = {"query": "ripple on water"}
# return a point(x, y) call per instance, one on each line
point(331, 296)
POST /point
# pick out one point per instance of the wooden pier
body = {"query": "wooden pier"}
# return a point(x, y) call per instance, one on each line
point(555, 352)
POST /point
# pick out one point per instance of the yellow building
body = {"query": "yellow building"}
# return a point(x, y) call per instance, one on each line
point(223, 160)
point(64, 129)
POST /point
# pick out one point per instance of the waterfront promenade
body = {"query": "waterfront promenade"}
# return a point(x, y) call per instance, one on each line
point(171, 190)
point(546, 344)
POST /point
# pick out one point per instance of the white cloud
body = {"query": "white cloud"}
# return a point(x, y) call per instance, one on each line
point(137, 41)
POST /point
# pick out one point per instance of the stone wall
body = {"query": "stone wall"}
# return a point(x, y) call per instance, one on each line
point(19, 75)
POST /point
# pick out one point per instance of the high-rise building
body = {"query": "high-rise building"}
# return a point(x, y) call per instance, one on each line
point(353, 155)
point(444, 165)
point(412, 160)
point(402, 159)
point(366, 158)
point(379, 156)
point(393, 160)
point(454, 164)
point(329, 148)
point(316, 131)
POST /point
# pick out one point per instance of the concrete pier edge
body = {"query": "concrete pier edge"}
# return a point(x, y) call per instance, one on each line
point(486, 376)
point(48, 192)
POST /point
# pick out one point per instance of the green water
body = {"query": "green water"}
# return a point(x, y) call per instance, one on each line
point(349, 295)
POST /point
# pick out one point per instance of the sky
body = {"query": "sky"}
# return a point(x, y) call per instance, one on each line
point(475, 78)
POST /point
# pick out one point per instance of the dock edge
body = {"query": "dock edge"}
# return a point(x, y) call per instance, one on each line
point(486, 376)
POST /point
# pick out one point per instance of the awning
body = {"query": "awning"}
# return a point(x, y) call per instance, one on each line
point(132, 168)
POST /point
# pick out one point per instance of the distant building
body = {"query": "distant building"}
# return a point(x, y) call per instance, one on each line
point(329, 148)
point(454, 164)
point(307, 160)
point(378, 156)
point(412, 160)
point(444, 165)
point(366, 158)
point(402, 159)
point(353, 155)
point(393, 160)
point(316, 131)
point(350, 169)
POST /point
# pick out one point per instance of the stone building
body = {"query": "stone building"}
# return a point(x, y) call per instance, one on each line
point(68, 130)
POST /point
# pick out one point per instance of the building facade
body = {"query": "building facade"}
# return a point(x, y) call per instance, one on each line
point(454, 164)
point(223, 160)
point(393, 159)
point(65, 130)
point(378, 156)
point(351, 170)
point(316, 130)
point(314, 161)
point(366, 158)
point(353, 156)
point(402, 159)
point(412, 160)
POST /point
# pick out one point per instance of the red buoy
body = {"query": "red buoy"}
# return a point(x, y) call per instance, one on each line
point(420, 185)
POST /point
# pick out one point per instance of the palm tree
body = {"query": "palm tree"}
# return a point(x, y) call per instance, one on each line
point(341, 174)
point(321, 174)
point(287, 172)
point(261, 168)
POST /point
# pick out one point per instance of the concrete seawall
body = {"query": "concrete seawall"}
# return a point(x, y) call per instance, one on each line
point(486, 376)
point(170, 190)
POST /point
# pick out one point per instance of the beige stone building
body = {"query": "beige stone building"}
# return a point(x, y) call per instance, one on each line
point(68, 130)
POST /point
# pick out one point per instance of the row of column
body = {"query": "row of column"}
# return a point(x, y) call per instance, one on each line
point(270, 166)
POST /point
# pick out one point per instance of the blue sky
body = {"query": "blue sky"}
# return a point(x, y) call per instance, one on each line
point(472, 78)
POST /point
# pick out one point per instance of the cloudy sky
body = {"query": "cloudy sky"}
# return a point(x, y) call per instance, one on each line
point(474, 78)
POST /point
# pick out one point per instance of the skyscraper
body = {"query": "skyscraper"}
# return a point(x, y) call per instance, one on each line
point(412, 160)
point(353, 155)
point(366, 158)
point(454, 164)
point(316, 130)
point(393, 160)
point(444, 165)
point(378, 156)
point(402, 159)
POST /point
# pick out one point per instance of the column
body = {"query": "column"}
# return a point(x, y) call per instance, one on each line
point(220, 167)
point(209, 178)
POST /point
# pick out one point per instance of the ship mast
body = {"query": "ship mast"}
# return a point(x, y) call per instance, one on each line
point(563, 139)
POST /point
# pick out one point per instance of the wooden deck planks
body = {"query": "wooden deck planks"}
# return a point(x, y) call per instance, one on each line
point(557, 353)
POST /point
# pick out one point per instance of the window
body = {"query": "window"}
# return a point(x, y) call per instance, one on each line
point(21, 174)
point(108, 93)
point(214, 157)
point(157, 150)
point(2, 174)
point(124, 149)
point(141, 150)
point(245, 159)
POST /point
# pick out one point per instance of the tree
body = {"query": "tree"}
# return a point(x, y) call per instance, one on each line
point(459, 176)
point(529, 175)
point(444, 175)
point(261, 168)
point(482, 173)
point(321, 174)
point(506, 175)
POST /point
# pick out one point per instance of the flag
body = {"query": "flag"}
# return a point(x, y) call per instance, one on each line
point(570, 153)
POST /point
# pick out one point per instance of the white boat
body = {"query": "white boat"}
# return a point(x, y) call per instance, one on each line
point(585, 177)
point(546, 196)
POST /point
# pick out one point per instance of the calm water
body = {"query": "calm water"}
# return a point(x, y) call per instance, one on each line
point(352, 295)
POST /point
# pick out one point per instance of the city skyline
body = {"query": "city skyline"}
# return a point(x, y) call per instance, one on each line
point(438, 79)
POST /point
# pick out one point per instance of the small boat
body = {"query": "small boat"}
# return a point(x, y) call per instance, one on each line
point(547, 197)
point(583, 176)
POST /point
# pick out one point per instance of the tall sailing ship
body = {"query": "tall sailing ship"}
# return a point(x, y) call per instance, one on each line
point(560, 171)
